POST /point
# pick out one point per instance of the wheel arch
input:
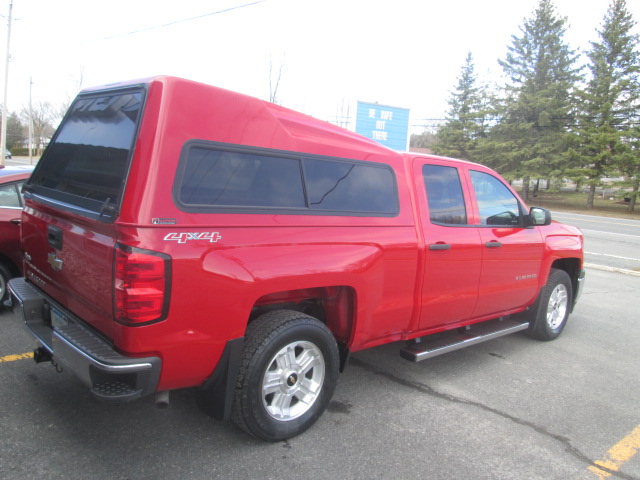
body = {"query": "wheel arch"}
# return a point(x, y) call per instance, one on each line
point(335, 306)
point(572, 266)
point(332, 305)
point(9, 264)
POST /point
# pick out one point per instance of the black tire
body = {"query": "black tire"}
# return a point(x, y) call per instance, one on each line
point(552, 307)
point(297, 356)
point(5, 276)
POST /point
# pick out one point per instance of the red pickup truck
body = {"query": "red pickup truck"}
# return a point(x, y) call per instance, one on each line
point(180, 235)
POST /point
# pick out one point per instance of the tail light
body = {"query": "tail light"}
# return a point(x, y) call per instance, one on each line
point(142, 283)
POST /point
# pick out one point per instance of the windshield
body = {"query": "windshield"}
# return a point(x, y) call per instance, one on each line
point(87, 162)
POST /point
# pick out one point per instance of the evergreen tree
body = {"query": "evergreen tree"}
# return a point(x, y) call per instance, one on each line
point(464, 123)
point(529, 138)
point(609, 102)
point(15, 131)
point(629, 164)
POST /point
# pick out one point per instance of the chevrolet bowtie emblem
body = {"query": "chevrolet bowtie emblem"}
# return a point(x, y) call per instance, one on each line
point(54, 261)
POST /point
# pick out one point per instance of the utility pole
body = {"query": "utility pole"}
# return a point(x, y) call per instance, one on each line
point(3, 137)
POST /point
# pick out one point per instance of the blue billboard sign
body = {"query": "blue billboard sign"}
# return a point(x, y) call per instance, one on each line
point(384, 124)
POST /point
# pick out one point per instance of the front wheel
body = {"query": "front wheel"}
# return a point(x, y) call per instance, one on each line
point(287, 376)
point(553, 306)
point(5, 276)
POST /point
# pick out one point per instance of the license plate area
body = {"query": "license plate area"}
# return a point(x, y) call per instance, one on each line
point(58, 319)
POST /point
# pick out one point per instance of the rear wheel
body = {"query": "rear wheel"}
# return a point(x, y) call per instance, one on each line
point(287, 376)
point(553, 306)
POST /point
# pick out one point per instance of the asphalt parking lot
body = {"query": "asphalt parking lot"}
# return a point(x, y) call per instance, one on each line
point(512, 408)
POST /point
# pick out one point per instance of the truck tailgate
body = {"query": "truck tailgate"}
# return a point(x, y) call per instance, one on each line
point(71, 259)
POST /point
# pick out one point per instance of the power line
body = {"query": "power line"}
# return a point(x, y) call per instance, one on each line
point(155, 27)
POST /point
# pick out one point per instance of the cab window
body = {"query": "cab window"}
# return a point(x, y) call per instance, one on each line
point(496, 204)
point(444, 195)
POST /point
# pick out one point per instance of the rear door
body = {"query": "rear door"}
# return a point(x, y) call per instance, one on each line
point(73, 198)
point(452, 249)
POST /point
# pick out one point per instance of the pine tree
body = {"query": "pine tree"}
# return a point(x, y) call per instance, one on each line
point(609, 102)
point(15, 134)
point(629, 164)
point(529, 138)
point(464, 122)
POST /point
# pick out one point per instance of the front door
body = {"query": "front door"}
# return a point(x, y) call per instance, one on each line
point(10, 213)
point(512, 253)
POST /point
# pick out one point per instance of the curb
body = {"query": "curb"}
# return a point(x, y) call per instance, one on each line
point(612, 269)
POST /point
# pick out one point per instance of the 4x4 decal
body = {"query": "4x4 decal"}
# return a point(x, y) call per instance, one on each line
point(183, 237)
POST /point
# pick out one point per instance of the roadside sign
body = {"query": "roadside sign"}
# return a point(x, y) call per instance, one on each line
point(384, 124)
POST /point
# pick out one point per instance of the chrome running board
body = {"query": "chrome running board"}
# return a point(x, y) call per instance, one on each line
point(432, 346)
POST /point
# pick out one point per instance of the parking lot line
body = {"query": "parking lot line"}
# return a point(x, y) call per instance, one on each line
point(617, 455)
point(13, 358)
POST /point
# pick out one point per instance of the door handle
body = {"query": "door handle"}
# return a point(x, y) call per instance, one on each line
point(15, 221)
point(493, 244)
point(54, 236)
point(439, 246)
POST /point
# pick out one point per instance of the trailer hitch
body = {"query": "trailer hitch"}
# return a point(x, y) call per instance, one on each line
point(41, 355)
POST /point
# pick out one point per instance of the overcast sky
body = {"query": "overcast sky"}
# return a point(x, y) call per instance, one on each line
point(404, 53)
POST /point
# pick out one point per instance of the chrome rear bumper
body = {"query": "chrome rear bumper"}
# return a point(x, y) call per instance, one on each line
point(110, 375)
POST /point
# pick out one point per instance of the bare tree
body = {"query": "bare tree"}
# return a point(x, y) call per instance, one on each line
point(64, 106)
point(44, 116)
point(274, 80)
point(343, 113)
point(80, 78)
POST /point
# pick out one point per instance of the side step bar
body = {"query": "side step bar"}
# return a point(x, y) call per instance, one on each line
point(445, 342)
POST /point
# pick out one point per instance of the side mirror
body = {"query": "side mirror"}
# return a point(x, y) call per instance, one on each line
point(538, 216)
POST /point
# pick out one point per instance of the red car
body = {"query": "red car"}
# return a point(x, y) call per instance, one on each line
point(11, 203)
